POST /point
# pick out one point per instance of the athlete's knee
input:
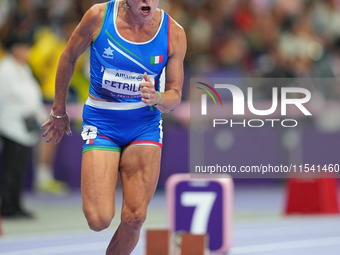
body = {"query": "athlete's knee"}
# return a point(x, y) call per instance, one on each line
point(98, 220)
point(133, 218)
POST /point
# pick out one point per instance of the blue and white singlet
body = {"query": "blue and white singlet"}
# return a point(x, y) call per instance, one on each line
point(118, 65)
point(117, 69)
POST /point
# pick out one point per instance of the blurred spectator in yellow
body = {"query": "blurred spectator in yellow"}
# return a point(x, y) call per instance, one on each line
point(21, 112)
point(44, 59)
point(45, 54)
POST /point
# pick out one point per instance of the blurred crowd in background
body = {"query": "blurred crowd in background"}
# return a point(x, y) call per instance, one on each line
point(233, 38)
point(50, 24)
point(271, 38)
point(238, 38)
point(260, 38)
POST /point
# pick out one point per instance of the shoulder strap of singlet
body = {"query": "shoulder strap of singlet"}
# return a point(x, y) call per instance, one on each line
point(169, 22)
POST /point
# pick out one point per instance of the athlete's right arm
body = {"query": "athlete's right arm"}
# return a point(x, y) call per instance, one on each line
point(81, 38)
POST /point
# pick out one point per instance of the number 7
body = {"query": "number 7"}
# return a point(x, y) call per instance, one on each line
point(203, 201)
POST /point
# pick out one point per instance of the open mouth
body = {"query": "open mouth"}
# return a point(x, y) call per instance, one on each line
point(146, 9)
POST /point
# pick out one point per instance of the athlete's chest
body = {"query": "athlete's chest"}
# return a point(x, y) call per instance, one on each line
point(136, 35)
point(123, 46)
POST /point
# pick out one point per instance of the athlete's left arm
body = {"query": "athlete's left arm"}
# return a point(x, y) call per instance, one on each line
point(173, 73)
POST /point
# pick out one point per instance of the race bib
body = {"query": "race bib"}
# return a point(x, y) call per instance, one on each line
point(123, 84)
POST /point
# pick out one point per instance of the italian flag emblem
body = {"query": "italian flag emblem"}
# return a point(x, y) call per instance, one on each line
point(89, 141)
point(156, 60)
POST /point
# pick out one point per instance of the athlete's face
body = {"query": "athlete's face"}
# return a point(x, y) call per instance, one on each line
point(143, 8)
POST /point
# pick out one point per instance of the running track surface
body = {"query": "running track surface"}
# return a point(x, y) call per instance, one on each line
point(259, 227)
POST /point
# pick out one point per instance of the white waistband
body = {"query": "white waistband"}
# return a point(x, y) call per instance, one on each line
point(113, 105)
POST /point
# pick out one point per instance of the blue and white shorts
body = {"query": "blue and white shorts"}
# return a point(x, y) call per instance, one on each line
point(113, 126)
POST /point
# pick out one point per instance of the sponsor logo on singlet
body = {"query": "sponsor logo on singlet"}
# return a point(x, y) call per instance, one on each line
point(131, 77)
point(108, 53)
point(122, 84)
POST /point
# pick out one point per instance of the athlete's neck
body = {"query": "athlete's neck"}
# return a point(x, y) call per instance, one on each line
point(134, 20)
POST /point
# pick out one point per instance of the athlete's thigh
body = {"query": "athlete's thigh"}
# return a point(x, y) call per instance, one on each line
point(139, 170)
point(99, 174)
